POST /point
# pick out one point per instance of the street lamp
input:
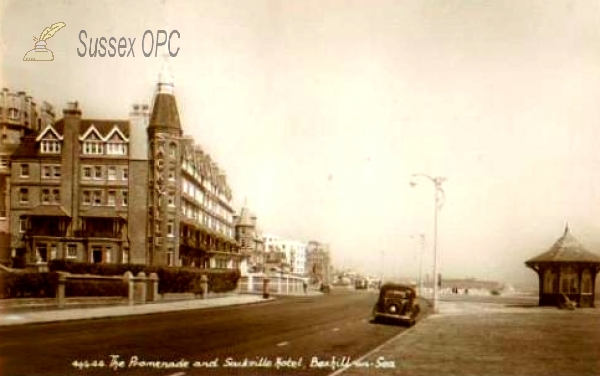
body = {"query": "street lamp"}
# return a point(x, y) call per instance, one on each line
point(439, 202)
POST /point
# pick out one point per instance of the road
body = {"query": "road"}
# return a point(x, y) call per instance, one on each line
point(288, 336)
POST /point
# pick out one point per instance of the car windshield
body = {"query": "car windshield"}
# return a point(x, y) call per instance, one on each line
point(396, 294)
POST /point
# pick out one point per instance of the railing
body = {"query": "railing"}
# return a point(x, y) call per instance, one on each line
point(277, 284)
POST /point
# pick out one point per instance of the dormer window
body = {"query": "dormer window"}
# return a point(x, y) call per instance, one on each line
point(50, 147)
point(93, 147)
point(116, 148)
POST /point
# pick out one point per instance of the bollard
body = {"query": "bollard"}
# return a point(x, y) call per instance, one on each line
point(204, 284)
point(128, 277)
point(152, 288)
point(266, 288)
point(250, 286)
point(61, 300)
point(140, 288)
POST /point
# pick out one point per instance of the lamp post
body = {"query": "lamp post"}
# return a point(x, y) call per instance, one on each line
point(439, 202)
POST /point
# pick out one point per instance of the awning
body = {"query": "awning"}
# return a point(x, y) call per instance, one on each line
point(48, 211)
point(102, 212)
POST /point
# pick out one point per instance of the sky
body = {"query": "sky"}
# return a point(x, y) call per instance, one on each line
point(320, 111)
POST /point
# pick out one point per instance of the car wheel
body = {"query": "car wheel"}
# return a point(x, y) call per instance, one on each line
point(375, 318)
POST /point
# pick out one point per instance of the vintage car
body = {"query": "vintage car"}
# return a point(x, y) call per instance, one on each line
point(398, 303)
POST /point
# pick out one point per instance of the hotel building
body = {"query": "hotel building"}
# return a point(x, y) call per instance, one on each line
point(120, 191)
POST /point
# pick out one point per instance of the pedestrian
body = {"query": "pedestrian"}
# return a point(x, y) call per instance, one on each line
point(304, 286)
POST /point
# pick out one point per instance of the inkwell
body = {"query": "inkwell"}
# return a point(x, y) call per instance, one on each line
point(40, 52)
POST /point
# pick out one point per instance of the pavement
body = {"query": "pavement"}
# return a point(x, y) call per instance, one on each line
point(20, 317)
point(470, 338)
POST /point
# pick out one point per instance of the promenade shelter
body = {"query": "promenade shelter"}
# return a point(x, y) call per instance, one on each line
point(567, 269)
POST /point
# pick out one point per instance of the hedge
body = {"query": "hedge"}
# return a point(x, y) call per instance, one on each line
point(96, 288)
point(171, 279)
point(28, 285)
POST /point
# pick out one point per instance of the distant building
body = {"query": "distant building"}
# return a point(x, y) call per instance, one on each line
point(318, 262)
point(288, 254)
point(250, 242)
point(20, 116)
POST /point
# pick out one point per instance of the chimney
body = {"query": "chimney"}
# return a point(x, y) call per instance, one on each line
point(72, 109)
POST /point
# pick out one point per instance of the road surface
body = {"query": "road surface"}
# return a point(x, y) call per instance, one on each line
point(312, 335)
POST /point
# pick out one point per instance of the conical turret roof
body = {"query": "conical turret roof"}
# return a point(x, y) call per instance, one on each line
point(164, 110)
point(245, 218)
point(565, 249)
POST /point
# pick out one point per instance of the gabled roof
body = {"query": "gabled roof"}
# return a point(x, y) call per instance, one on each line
point(104, 128)
point(565, 249)
point(49, 129)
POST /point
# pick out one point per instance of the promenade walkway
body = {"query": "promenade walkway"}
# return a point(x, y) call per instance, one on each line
point(468, 338)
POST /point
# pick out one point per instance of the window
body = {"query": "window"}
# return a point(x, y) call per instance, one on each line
point(87, 198)
point(22, 224)
point(45, 196)
point(97, 198)
point(108, 251)
point(13, 114)
point(71, 251)
point(171, 228)
point(124, 200)
point(50, 147)
point(171, 200)
point(125, 173)
point(125, 255)
point(586, 282)
point(87, 172)
point(56, 171)
point(111, 198)
point(549, 278)
point(24, 170)
point(53, 251)
point(24, 196)
point(112, 172)
point(93, 147)
point(47, 171)
point(56, 195)
point(173, 150)
point(41, 253)
point(170, 257)
point(3, 162)
point(569, 281)
point(171, 176)
point(116, 148)
point(97, 172)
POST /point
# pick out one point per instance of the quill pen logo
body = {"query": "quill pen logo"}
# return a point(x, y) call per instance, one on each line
point(40, 52)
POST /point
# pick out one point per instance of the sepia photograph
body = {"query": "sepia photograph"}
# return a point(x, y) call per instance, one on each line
point(299, 187)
